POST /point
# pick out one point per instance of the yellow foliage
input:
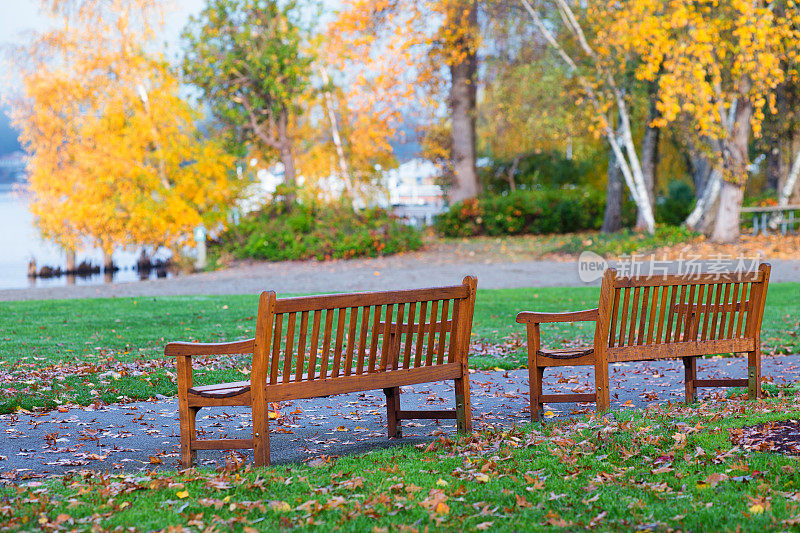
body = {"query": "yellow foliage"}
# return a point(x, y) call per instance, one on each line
point(705, 54)
point(116, 159)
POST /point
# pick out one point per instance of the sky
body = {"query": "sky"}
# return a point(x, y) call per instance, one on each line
point(20, 17)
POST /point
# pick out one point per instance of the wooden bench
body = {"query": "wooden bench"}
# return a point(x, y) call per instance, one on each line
point(319, 346)
point(658, 317)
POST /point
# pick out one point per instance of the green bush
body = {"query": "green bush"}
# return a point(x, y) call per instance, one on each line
point(520, 212)
point(278, 233)
point(536, 171)
point(673, 208)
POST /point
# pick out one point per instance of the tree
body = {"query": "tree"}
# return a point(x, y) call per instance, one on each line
point(596, 74)
point(113, 163)
point(246, 57)
point(718, 64)
point(405, 48)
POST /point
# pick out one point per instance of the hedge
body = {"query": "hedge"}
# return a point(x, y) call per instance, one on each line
point(278, 233)
point(521, 212)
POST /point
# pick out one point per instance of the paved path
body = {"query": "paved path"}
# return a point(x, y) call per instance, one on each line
point(144, 435)
point(413, 270)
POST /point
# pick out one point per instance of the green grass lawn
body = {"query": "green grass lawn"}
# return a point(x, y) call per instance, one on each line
point(665, 468)
point(81, 351)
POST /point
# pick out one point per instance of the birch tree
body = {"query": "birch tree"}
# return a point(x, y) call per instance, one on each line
point(602, 91)
point(718, 64)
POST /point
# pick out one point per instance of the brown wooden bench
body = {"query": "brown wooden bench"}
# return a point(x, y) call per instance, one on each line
point(658, 317)
point(318, 346)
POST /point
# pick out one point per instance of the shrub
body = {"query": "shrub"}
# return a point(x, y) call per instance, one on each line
point(550, 169)
point(278, 233)
point(673, 208)
point(520, 212)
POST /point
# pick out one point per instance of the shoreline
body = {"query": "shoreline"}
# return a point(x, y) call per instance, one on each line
point(404, 271)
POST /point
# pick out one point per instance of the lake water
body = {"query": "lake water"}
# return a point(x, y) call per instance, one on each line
point(20, 241)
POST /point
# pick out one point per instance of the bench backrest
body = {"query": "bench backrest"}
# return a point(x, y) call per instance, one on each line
point(640, 315)
point(321, 337)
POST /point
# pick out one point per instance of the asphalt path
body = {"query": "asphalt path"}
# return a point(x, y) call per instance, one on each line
point(145, 435)
point(405, 271)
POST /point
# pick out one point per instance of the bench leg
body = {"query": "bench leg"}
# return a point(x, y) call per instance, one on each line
point(188, 416)
point(392, 407)
point(754, 374)
point(601, 386)
point(261, 433)
point(690, 375)
point(535, 378)
point(463, 405)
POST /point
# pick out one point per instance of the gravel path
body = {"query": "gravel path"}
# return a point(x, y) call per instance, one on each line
point(413, 270)
point(144, 435)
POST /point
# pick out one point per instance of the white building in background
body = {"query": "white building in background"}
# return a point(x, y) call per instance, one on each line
point(414, 183)
point(412, 190)
point(13, 167)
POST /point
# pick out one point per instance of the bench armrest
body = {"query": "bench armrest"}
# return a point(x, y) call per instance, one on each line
point(209, 348)
point(531, 317)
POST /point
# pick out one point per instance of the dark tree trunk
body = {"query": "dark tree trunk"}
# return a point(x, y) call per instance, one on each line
point(108, 265)
point(774, 169)
point(650, 145)
point(699, 166)
point(462, 114)
point(612, 219)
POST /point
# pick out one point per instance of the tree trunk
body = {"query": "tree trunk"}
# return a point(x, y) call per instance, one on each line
point(735, 157)
point(462, 114)
point(789, 188)
point(612, 219)
point(773, 168)
point(726, 225)
point(699, 166)
point(70, 260)
point(510, 175)
point(337, 140)
point(650, 145)
point(108, 262)
point(287, 157)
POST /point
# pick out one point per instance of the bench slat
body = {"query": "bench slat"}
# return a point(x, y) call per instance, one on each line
point(276, 349)
point(432, 333)
point(360, 299)
point(312, 357)
point(721, 383)
point(409, 327)
point(345, 384)
point(351, 341)
point(423, 313)
point(428, 414)
point(442, 332)
point(222, 444)
point(567, 398)
point(362, 343)
point(301, 346)
point(679, 349)
point(749, 276)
